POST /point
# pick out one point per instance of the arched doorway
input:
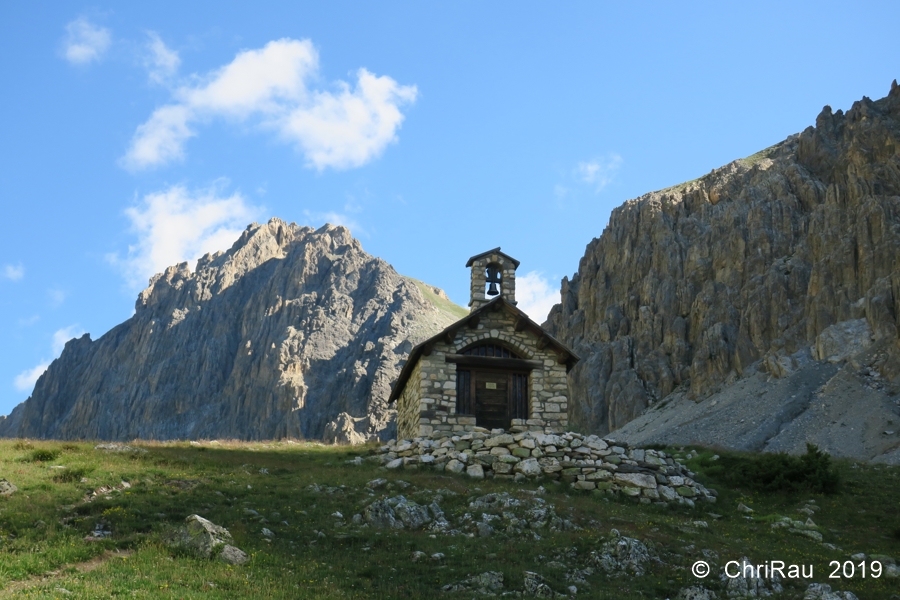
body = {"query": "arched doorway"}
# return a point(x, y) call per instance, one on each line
point(492, 385)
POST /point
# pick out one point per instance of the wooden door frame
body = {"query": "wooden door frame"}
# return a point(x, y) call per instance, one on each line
point(473, 386)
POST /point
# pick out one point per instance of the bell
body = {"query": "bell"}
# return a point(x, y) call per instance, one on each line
point(493, 278)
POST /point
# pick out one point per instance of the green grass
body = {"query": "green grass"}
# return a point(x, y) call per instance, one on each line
point(759, 156)
point(442, 304)
point(42, 526)
point(811, 472)
point(747, 162)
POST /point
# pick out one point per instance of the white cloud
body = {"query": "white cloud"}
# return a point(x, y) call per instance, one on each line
point(535, 295)
point(162, 62)
point(85, 42)
point(14, 272)
point(161, 138)
point(57, 297)
point(25, 380)
point(336, 218)
point(270, 86)
point(61, 336)
point(350, 129)
point(599, 172)
point(344, 218)
point(177, 225)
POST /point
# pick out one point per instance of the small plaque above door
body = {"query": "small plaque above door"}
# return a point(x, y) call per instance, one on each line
point(490, 385)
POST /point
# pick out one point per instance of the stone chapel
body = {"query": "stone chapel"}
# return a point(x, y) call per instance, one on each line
point(494, 368)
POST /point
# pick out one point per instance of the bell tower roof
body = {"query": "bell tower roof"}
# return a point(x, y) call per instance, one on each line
point(496, 251)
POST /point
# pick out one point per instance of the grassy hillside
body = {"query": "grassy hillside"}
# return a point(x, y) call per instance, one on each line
point(297, 489)
point(441, 302)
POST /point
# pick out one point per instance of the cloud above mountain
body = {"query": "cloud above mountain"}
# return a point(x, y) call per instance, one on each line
point(179, 224)
point(273, 89)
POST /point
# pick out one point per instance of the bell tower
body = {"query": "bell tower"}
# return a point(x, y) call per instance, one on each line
point(493, 274)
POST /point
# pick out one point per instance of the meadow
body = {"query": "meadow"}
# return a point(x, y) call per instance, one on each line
point(93, 523)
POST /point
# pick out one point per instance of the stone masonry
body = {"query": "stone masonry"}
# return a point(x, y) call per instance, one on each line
point(428, 402)
point(588, 463)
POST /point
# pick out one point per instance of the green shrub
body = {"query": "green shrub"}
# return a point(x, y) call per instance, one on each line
point(40, 455)
point(70, 475)
point(811, 472)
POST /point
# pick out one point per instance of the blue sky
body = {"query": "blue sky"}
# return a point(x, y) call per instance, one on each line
point(136, 136)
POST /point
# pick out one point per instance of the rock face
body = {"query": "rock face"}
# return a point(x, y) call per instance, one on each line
point(773, 262)
point(275, 337)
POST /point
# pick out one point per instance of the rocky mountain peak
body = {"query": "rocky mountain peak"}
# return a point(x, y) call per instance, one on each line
point(274, 337)
point(741, 273)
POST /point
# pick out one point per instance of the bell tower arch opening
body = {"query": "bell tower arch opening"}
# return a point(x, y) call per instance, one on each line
point(493, 275)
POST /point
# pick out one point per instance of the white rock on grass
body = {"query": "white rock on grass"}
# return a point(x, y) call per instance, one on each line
point(233, 556)
point(7, 488)
point(822, 591)
point(536, 586)
point(205, 539)
point(486, 583)
point(695, 592)
point(622, 555)
point(752, 586)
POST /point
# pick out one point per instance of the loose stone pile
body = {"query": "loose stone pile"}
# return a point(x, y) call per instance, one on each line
point(586, 462)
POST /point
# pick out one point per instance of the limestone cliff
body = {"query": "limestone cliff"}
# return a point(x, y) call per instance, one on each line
point(770, 263)
point(276, 337)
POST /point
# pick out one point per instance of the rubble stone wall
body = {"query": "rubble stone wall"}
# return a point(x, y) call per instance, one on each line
point(588, 463)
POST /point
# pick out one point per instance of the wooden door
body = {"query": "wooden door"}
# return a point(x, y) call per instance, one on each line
point(492, 399)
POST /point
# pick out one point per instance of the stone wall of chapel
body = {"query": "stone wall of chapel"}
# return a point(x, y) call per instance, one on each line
point(408, 406)
point(428, 403)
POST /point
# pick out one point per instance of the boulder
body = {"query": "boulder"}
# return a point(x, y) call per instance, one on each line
point(346, 429)
point(381, 515)
point(749, 583)
point(843, 340)
point(695, 592)
point(7, 488)
point(485, 584)
point(203, 538)
point(822, 591)
point(622, 555)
